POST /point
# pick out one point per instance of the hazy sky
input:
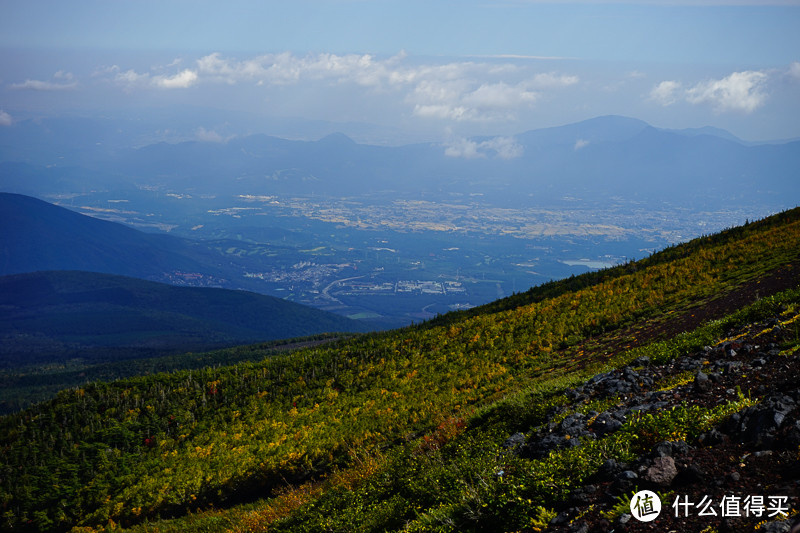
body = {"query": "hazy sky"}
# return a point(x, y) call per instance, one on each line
point(424, 70)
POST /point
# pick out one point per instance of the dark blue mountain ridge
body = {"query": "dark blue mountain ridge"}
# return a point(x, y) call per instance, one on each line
point(37, 235)
point(53, 315)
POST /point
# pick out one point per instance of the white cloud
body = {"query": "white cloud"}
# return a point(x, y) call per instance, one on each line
point(452, 91)
point(102, 71)
point(504, 147)
point(794, 70)
point(461, 100)
point(499, 96)
point(500, 147)
point(361, 69)
point(5, 119)
point(741, 91)
point(130, 77)
point(502, 100)
point(205, 135)
point(175, 62)
point(460, 91)
point(441, 99)
point(62, 75)
point(214, 66)
point(64, 82)
point(463, 148)
point(550, 80)
point(444, 111)
point(580, 143)
point(182, 80)
point(665, 93)
point(286, 68)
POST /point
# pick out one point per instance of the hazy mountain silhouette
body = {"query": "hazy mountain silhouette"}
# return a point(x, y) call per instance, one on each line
point(603, 156)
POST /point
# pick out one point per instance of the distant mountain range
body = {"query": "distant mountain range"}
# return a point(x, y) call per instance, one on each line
point(57, 315)
point(601, 157)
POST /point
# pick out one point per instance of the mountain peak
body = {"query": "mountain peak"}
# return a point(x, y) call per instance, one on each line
point(608, 128)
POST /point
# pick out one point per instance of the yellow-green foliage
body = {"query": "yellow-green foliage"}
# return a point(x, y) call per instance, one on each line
point(166, 443)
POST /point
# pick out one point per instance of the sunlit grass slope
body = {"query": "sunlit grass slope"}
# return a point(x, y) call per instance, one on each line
point(133, 450)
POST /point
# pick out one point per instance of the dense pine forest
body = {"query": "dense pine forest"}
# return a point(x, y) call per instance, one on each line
point(407, 429)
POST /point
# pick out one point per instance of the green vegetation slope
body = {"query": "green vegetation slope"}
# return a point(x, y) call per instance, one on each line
point(347, 436)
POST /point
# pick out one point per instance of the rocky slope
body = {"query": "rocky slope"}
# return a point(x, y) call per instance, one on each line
point(725, 473)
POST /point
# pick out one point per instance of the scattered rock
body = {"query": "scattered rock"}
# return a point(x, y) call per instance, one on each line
point(579, 527)
point(606, 423)
point(712, 438)
point(662, 449)
point(582, 495)
point(609, 469)
point(778, 526)
point(690, 475)
point(624, 481)
point(514, 441)
point(560, 519)
point(758, 424)
point(732, 366)
point(661, 472)
point(728, 458)
point(701, 382)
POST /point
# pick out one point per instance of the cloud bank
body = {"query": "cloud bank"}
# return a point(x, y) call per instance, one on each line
point(451, 91)
point(182, 80)
point(740, 91)
point(62, 81)
point(428, 97)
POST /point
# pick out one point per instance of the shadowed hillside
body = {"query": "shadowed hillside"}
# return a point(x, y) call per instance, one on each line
point(54, 316)
point(43, 236)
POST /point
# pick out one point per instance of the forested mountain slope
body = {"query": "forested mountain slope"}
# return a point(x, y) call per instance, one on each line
point(59, 328)
point(55, 315)
point(404, 429)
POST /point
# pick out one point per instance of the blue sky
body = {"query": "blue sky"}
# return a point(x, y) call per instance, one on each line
point(415, 70)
